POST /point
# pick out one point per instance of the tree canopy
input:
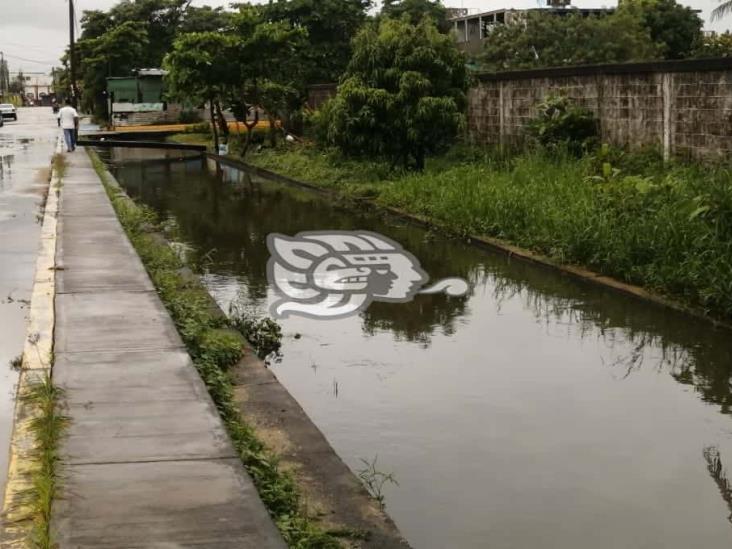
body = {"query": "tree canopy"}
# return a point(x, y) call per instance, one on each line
point(402, 96)
point(416, 10)
point(330, 27)
point(545, 40)
point(676, 29)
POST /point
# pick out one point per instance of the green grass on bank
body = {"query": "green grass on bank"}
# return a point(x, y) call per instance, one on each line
point(211, 342)
point(667, 228)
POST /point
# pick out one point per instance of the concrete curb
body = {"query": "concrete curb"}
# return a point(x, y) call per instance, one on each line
point(36, 365)
point(496, 245)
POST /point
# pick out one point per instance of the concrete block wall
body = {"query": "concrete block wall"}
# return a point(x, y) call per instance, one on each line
point(682, 107)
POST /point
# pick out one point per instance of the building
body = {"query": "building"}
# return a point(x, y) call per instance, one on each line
point(139, 99)
point(38, 87)
point(471, 29)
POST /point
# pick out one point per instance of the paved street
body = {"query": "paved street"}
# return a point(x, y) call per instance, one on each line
point(26, 147)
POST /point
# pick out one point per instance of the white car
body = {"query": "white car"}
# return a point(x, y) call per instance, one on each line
point(8, 111)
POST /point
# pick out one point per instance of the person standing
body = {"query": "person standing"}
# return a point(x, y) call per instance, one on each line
point(69, 120)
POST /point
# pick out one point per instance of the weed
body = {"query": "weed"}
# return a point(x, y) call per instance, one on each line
point(665, 227)
point(47, 427)
point(264, 334)
point(374, 480)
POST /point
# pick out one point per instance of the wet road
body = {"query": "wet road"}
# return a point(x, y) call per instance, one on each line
point(26, 147)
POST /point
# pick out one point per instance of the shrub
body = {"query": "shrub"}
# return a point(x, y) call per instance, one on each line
point(224, 347)
point(563, 124)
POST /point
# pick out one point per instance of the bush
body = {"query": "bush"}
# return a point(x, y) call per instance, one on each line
point(563, 124)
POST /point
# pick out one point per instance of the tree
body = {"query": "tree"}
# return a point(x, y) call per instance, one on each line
point(116, 52)
point(17, 85)
point(415, 10)
point(402, 96)
point(4, 77)
point(715, 45)
point(330, 26)
point(675, 28)
point(542, 39)
point(132, 34)
point(249, 65)
point(201, 70)
point(724, 9)
point(269, 68)
point(204, 19)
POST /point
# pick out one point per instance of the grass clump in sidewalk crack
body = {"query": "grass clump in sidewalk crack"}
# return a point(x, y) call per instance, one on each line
point(47, 427)
point(207, 336)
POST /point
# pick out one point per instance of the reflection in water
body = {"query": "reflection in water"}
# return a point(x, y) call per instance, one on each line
point(718, 473)
point(535, 412)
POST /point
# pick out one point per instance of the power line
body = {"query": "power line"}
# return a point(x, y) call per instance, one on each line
point(31, 60)
point(45, 49)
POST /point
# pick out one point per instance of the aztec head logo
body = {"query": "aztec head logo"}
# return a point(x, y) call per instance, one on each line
point(332, 274)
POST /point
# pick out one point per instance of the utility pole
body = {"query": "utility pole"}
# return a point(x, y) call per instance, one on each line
point(2, 74)
point(72, 56)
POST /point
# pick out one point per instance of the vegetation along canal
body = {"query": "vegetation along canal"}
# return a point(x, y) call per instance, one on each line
point(537, 411)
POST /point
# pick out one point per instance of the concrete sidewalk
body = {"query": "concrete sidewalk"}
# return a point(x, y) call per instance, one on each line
point(147, 461)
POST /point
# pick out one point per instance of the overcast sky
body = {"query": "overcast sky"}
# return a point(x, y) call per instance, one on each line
point(34, 33)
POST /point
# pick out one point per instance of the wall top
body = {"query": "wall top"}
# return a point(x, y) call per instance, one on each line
point(683, 65)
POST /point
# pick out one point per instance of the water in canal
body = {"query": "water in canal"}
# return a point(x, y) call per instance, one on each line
point(538, 411)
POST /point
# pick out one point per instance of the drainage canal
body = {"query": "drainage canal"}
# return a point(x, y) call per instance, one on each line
point(537, 411)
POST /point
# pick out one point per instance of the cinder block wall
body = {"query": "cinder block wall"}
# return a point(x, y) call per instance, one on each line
point(682, 107)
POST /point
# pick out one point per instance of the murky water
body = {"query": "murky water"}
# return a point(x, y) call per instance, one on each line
point(538, 411)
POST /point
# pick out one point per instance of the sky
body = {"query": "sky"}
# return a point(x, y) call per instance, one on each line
point(34, 33)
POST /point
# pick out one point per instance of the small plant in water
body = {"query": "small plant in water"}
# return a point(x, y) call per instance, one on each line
point(263, 333)
point(374, 480)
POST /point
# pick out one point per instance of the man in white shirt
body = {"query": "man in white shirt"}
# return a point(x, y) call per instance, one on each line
point(69, 119)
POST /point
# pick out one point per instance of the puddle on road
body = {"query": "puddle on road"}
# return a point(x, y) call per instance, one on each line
point(536, 412)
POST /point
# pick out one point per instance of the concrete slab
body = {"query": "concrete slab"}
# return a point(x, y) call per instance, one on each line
point(88, 205)
point(99, 259)
point(147, 460)
point(128, 429)
point(199, 503)
point(112, 320)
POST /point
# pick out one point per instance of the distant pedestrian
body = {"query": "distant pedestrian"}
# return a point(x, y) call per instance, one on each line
point(69, 120)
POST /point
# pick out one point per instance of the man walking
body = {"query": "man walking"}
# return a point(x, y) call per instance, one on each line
point(69, 120)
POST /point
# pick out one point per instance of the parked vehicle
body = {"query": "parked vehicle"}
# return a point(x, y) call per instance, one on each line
point(2, 121)
point(8, 111)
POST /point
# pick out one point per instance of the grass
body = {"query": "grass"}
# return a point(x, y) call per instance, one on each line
point(208, 337)
point(665, 227)
point(47, 427)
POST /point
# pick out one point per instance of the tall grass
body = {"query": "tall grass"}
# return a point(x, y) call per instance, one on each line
point(666, 228)
point(47, 426)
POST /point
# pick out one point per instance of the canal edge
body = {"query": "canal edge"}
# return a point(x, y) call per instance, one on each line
point(494, 245)
point(37, 361)
point(330, 489)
